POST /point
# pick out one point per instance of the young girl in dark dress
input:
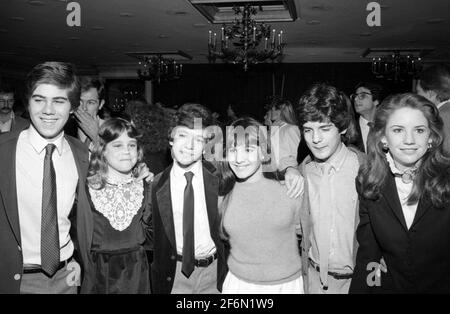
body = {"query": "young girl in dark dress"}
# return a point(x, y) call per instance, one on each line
point(118, 200)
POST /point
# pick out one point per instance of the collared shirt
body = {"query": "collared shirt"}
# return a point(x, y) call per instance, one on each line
point(6, 126)
point(343, 207)
point(204, 245)
point(403, 190)
point(29, 176)
point(285, 139)
point(364, 125)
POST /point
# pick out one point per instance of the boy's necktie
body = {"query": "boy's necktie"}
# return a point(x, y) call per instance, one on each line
point(49, 221)
point(188, 227)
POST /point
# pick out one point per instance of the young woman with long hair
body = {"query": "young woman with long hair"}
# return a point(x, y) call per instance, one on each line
point(404, 193)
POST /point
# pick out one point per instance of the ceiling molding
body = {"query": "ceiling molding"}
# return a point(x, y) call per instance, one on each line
point(221, 11)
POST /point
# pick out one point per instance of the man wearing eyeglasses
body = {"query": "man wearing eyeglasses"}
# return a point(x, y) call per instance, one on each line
point(9, 122)
point(366, 99)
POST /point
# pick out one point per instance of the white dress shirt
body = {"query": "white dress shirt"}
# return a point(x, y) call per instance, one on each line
point(285, 139)
point(204, 245)
point(29, 177)
point(403, 190)
point(364, 125)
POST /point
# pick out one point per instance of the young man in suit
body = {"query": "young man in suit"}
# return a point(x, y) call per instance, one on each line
point(434, 84)
point(188, 254)
point(329, 213)
point(9, 121)
point(44, 212)
point(367, 97)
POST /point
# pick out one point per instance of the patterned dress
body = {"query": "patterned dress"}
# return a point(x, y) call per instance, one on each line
point(120, 261)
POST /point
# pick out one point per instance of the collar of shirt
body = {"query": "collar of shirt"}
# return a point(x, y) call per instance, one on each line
point(363, 121)
point(179, 172)
point(39, 143)
point(279, 123)
point(395, 170)
point(442, 103)
point(12, 116)
point(335, 161)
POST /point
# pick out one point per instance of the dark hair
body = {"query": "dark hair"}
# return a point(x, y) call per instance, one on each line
point(437, 79)
point(432, 177)
point(60, 74)
point(186, 115)
point(89, 82)
point(110, 130)
point(322, 103)
point(375, 89)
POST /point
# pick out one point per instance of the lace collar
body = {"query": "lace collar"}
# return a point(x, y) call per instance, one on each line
point(407, 175)
point(119, 202)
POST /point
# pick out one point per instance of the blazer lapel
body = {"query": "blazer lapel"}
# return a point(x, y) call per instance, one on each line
point(422, 208)
point(81, 160)
point(359, 139)
point(390, 195)
point(8, 187)
point(211, 183)
point(85, 219)
point(164, 199)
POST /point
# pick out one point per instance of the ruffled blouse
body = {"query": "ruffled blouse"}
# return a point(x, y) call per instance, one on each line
point(117, 215)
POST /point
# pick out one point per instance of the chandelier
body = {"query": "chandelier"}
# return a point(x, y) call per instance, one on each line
point(245, 41)
point(396, 64)
point(160, 66)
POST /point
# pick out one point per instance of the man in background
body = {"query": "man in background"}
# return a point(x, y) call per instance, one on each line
point(434, 84)
point(367, 97)
point(9, 121)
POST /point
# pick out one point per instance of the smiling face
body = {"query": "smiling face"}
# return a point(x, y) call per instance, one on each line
point(121, 155)
point(245, 160)
point(407, 136)
point(187, 145)
point(49, 108)
point(323, 139)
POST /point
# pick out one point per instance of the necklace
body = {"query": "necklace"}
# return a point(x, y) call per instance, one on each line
point(407, 175)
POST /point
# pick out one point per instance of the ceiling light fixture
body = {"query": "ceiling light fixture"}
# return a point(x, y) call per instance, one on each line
point(246, 41)
point(396, 64)
point(160, 66)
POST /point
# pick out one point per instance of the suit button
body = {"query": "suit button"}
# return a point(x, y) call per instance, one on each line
point(172, 257)
point(17, 277)
point(19, 248)
point(169, 278)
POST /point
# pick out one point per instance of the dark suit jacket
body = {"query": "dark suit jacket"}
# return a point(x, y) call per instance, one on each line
point(162, 233)
point(18, 124)
point(418, 259)
point(11, 261)
point(359, 143)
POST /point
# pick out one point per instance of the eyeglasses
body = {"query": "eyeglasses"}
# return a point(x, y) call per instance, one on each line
point(7, 101)
point(360, 96)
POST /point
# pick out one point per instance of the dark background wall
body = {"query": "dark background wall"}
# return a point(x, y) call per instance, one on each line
point(219, 85)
